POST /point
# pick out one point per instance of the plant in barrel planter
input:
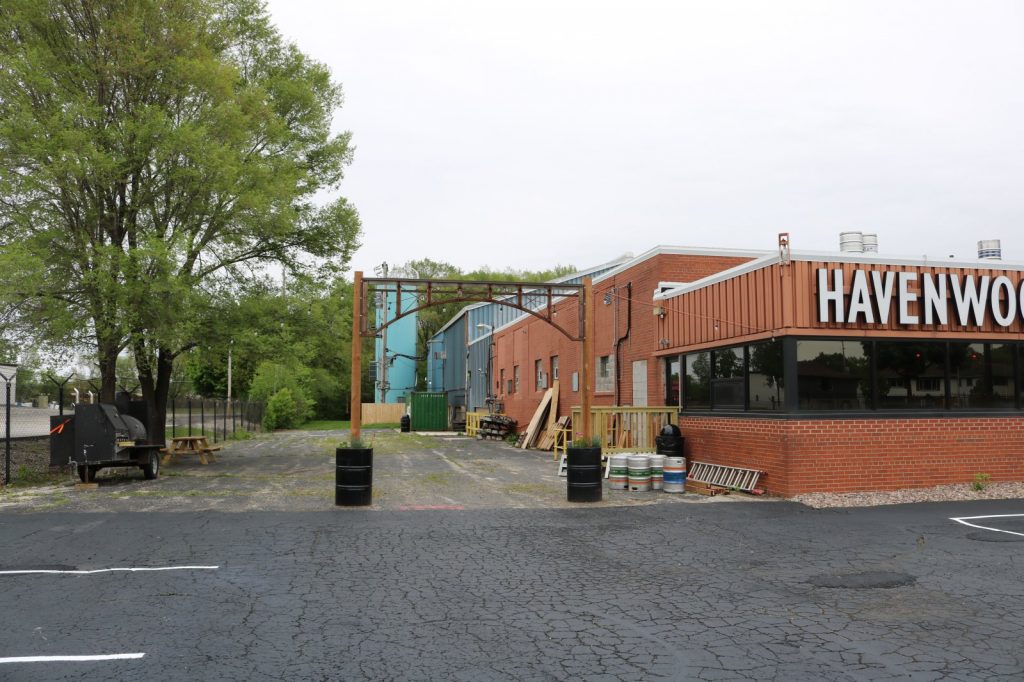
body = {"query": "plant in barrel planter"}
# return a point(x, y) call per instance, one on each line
point(583, 470)
point(354, 475)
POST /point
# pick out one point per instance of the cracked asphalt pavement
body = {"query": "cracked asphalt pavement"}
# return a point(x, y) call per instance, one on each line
point(516, 588)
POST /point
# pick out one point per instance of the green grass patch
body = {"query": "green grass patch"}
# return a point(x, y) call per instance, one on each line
point(310, 492)
point(339, 425)
point(58, 500)
point(438, 478)
point(183, 493)
point(25, 477)
point(528, 488)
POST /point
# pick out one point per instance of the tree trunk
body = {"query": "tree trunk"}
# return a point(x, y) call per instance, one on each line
point(107, 356)
point(155, 389)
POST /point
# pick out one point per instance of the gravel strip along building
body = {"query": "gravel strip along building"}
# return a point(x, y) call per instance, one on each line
point(838, 372)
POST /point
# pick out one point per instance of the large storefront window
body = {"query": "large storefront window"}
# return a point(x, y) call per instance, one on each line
point(672, 381)
point(981, 375)
point(727, 378)
point(911, 374)
point(767, 386)
point(833, 375)
point(697, 378)
point(852, 374)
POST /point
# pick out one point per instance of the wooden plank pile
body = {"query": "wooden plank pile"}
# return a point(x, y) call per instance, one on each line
point(495, 426)
point(543, 418)
point(548, 440)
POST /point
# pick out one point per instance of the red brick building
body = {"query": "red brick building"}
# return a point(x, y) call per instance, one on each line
point(829, 372)
point(529, 353)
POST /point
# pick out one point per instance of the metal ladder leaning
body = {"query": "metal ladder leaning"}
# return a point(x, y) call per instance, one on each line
point(724, 476)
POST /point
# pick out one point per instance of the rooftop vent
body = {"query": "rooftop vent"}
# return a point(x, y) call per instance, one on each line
point(851, 242)
point(990, 249)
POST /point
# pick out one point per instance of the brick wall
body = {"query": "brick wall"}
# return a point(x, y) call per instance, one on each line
point(847, 455)
point(532, 338)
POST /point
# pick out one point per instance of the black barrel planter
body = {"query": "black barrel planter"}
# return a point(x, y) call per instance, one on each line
point(354, 477)
point(670, 441)
point(583, 471)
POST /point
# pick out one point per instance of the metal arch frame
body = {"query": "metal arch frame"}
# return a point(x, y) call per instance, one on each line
point(433, 292)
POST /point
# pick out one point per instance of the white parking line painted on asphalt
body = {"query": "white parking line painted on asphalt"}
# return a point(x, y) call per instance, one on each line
point(51, 659)
point(965, 519)
point(48, 571)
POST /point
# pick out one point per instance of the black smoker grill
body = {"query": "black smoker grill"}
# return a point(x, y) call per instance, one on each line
point(102, 435)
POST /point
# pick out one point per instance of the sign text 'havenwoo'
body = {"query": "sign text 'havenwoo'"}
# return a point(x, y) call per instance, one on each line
point(940, 298)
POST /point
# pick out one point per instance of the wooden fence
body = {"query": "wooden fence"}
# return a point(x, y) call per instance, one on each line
point(383, 413)
point(627, 429)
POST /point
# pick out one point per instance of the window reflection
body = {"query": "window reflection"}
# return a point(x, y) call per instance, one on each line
point(833, 375)
point(727, 379)
point(911, 375)
point(672, 381)
point(767, 386)
point(697, 386)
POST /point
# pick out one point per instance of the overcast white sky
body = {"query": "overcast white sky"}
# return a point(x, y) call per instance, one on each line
point(527, 134)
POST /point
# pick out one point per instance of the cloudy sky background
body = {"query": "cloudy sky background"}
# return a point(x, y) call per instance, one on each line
point(530, 134)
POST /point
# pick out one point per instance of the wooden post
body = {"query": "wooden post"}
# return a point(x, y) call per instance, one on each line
point(587, 301)
point(357, 347)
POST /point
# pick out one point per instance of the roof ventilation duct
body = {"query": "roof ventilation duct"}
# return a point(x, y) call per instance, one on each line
point(851, 242)
point(990, 249)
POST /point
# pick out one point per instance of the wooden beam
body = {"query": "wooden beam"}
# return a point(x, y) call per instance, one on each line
point(587, 301)
point(357, 347)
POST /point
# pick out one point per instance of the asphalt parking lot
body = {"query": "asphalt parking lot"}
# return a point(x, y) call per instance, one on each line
point(420, 587)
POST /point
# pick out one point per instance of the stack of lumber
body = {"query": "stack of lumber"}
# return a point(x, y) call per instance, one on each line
point(548, 440)
point(496, 426)
point(543, 418)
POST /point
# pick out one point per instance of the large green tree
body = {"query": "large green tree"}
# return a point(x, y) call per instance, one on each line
point(155, 156)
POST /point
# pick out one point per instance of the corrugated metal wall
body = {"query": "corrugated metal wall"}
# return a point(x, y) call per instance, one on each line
point(782, 299)
point(453, 340)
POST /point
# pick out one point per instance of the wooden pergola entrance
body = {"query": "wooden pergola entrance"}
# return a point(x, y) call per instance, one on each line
point(537, 299)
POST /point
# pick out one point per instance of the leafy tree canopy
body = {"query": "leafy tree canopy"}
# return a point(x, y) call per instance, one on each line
point(155, 157)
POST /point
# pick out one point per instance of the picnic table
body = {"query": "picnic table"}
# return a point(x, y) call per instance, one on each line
point(191, 445)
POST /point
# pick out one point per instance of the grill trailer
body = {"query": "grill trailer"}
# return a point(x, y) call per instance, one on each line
point(102, 435)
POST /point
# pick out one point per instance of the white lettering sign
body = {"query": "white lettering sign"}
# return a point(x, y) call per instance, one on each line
point(919, 298)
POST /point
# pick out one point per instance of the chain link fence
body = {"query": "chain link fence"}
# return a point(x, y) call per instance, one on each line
point(217, 419)
point(25, 434)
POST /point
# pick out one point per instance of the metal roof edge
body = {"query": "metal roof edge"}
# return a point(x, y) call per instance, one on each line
point(742, 269)
point(667, 250)
point(835, 257)
point(878, 259)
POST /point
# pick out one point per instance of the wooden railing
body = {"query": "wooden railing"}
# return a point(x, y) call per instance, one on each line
point(473, 422)
point(627, 429)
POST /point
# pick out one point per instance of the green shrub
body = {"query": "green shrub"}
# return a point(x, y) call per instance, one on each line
point(281, 411)
point(271, 378)
point(980, 482)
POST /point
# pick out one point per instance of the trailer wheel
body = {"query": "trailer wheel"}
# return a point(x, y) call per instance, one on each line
point(87, 474)
point(151, 469)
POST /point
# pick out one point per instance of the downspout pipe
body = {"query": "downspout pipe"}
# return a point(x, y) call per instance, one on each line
point(618, 341)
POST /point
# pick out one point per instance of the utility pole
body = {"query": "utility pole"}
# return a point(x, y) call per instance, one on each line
point(230, 343)
point(382, 369)
point(7, 422)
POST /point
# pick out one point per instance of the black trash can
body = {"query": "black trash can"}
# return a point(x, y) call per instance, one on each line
point(354, 477)
point(670, 441)
point(583, 474)
point(406, 422)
